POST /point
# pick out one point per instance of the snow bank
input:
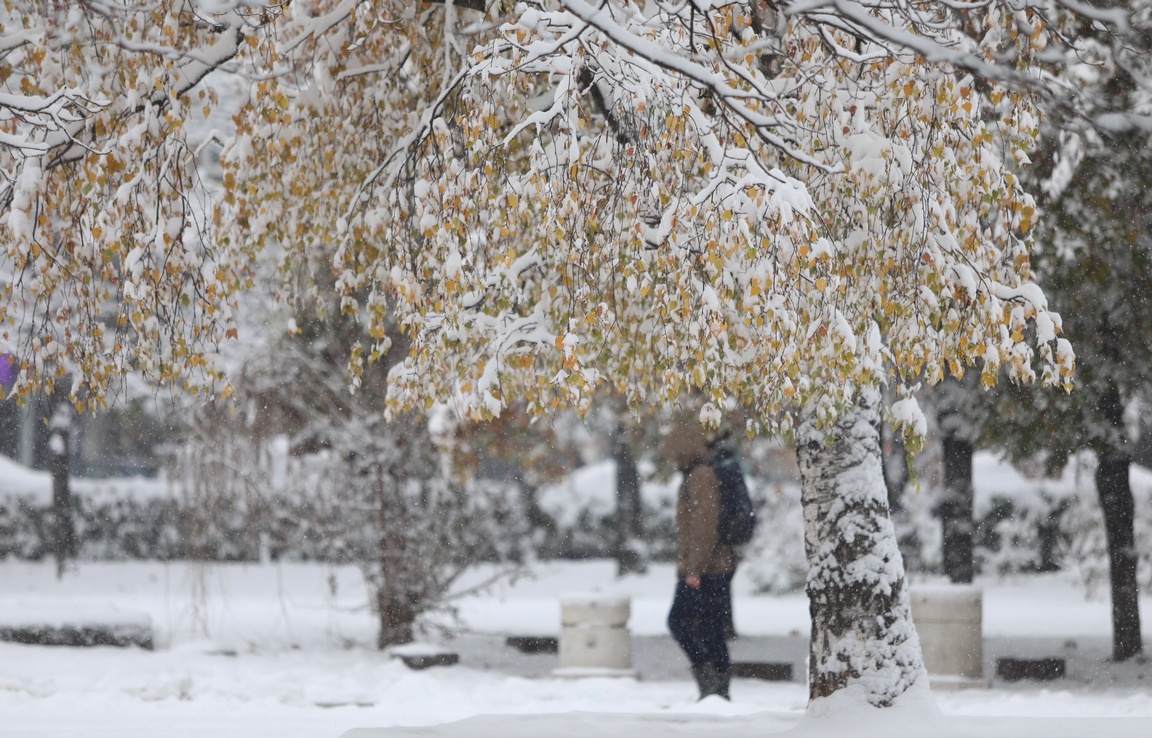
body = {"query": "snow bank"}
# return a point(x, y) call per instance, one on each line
point(17, 480)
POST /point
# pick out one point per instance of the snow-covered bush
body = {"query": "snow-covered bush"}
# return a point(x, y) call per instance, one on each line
point(124, 527)
point(774, 558)
point(1020, 523)
point(352, 487)
point(23, 529)
point(384, 504)
point(1021, 535)
point(1028, 523)
point(581, 513)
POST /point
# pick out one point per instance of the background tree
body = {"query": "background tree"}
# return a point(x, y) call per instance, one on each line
point(631, 552)
point(62, 543)
point(956, 506)
point(1094, 259)
point(1097, 265)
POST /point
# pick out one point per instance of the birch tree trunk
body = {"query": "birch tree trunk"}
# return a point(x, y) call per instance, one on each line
point(862, 633)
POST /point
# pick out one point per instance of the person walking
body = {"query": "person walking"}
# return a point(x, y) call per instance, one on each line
point(704, 565)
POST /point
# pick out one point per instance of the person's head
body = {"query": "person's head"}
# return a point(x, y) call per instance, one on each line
point(685, 445)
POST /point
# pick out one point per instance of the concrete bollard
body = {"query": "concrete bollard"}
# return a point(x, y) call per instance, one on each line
point(950, 622)
point(594, 636)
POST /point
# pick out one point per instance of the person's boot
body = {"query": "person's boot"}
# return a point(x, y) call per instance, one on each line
point(710, 680)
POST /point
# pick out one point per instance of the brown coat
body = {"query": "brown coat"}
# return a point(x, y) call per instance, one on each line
point(698, 549)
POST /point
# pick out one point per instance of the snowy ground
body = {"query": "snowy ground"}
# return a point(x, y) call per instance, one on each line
point(286, 651)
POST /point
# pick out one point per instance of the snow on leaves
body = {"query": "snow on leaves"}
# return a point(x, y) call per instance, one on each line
point(108, 266)
point(550, 197)
point(666, 199)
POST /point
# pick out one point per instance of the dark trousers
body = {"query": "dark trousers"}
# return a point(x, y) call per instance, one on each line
point(697, 620)
point(729, 623)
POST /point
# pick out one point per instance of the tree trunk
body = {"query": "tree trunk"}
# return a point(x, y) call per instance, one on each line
point(397, 618)
point(1112, 485)
point(396, 603)
point(63, 534)
point(957, 507)
point(862, 632)
point(629, 527)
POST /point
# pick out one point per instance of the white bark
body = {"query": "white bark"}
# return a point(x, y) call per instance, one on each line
point(862, 634)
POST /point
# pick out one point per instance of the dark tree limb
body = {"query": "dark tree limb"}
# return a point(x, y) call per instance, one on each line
point(477, 5)
point(1116, 503)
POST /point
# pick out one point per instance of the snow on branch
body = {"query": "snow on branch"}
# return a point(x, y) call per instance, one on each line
point(766, 126)
point(770, 206)
point(111, 266)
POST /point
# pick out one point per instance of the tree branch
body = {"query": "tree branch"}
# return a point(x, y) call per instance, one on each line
point(479, 6)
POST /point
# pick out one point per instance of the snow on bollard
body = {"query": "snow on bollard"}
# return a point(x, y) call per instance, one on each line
point(949, 620)
point(594, 637)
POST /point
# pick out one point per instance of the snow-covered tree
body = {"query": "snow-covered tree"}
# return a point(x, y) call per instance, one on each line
point(367, 489)
point(107, 266)
point(1095, 259)
point(781, 204)
point(785, 210)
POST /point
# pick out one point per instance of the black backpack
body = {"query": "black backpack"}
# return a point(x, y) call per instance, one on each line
point(737, 513)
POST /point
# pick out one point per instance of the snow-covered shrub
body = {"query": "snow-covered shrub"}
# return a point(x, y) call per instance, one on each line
point(351, 487)
point(581, 514)
point(1026, 522)
point(1021, 535)
point(1021, 515)
point(774, 558)
point(114, 519)
point(129, 527)
point(23, 528)
point(918, 531)
point(384, 505)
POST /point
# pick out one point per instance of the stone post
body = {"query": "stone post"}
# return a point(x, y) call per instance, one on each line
point(594, 636)
point(949, 621)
